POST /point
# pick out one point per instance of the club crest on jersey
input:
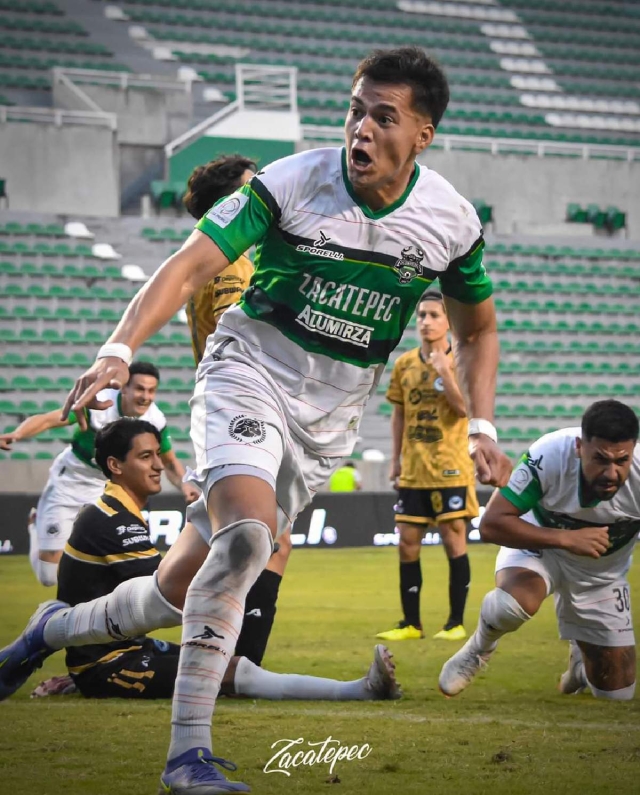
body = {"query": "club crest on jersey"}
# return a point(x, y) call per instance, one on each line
point(410, 264)
point(247, 429)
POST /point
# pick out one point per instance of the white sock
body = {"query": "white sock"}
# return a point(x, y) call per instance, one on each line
point(623, 694)
point(212, 618)
point(34, 547)
point(47, 573)
point(134, 608)
point(253, 681)
point(500, 613)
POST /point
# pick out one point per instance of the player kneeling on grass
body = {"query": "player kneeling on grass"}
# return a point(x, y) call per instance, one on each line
point(567, 523)
point(107, 652)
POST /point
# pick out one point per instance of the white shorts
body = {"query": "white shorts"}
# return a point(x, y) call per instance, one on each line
point(71, 485)
point(592, 602)
point(239, 426)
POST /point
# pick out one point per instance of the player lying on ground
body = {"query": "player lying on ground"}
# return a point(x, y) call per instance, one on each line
point(347, 241)
point(431, 469)
point(74, 478)
point(107, 652)
point(567, 523)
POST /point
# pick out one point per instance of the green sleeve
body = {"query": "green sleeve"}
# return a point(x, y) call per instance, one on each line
point(73, 417)
point(165, 441)
point(523, 489)
point(238, 221)
point(466, 279)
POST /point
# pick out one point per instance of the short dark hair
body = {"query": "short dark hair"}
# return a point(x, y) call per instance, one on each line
point(211, 182)
point(144, 368)
point(413, 67)
point(431, 295)
point(610, 420)
point(115, 440)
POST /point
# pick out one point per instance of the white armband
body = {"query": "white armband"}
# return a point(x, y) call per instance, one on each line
point(117, 349)
point(483, 426)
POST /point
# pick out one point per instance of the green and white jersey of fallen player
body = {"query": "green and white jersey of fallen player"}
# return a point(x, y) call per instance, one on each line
point(335, 283)
point(83, 443)
point(547, 485)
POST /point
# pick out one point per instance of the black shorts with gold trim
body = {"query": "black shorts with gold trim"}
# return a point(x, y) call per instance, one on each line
point(143, 672)
point(432, 506)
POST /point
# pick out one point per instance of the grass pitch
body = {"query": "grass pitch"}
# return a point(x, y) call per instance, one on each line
point(510, 732)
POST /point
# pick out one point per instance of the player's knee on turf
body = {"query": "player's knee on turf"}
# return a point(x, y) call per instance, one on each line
point(610, 670)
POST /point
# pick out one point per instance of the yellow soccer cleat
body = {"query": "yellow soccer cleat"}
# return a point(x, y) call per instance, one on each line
point(402, 632)
point(455, 633)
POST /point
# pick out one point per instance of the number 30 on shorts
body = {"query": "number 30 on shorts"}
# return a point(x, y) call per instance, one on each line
point(622, 602)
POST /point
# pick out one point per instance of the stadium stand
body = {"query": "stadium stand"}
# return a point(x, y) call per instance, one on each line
point(521, 71)
point(568, 317)
point(509, 77)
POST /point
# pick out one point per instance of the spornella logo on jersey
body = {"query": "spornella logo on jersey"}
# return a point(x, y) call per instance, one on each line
point(318, 250)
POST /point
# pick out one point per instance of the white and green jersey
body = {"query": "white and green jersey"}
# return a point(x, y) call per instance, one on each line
point(336, 283)
point(547, 486)
point(83, 443)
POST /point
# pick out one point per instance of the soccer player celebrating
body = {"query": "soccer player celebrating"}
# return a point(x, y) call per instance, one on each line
point(74, 477)
point(431, 468)
point(567, 523)
point(347, 241)
point(109, 546)
point(206, 186)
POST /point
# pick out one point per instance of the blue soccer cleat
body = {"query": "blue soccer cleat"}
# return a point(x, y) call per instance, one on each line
point(195, 773)
point(27, 653)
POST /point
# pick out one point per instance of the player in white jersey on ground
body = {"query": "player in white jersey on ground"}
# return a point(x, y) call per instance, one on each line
point(567, 522)
point(74, 479)
point(347, 241)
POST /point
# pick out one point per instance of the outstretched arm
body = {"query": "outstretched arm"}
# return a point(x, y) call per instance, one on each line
point(32, 426)
point(198, 261)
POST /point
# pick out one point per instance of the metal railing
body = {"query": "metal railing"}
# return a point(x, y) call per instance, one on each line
point(498, 146)
point(195, 132)
point(267, 87)
point(125, 80)
point(58, 117)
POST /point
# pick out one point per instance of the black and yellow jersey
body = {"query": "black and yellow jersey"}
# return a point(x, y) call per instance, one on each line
point(434, 443)
point(209, 302)
point(109, 544)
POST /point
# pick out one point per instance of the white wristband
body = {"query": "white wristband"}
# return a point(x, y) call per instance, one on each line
point(117, 349)
point(483, 426)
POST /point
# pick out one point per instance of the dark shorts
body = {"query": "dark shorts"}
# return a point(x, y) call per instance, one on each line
point(432, 506)
point(147, 673)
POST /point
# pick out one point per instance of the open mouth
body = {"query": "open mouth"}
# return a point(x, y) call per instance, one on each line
point(360, 159)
